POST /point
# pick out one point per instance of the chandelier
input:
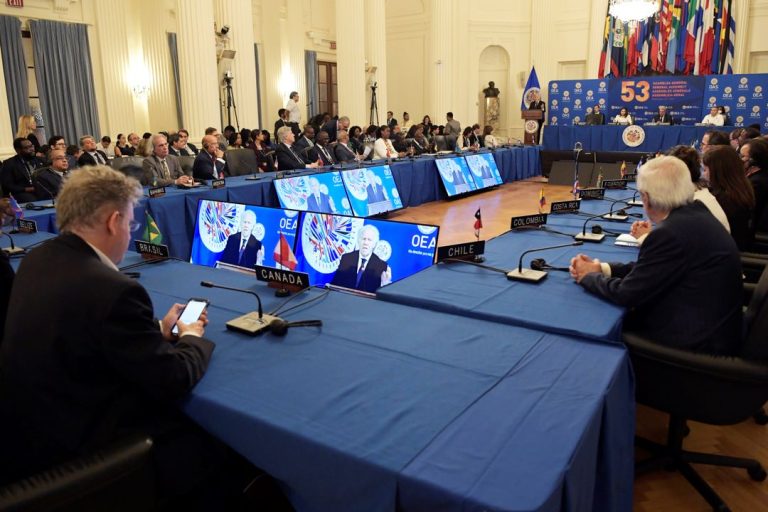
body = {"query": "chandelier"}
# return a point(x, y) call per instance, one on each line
point(633, 10)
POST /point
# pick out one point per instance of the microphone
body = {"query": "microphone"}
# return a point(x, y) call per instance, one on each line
point(577, 148)
point(50, 194)
point(620, 216)
point(532, 275)
point(251, 323)
point(596, 235)
point(12, 250)
point(634, 201)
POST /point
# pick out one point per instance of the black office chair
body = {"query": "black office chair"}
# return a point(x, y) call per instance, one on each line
point(704, 388)
point(241, 162)
point(130, 166)
point(186, 162)
point(118, 478)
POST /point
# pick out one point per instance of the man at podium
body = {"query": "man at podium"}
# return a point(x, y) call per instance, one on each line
point(538, 104)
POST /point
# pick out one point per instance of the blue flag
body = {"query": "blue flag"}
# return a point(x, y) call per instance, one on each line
point(530, 86)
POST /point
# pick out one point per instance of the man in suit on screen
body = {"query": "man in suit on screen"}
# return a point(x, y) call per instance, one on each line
point(317, 201)
point(243, 249)
point(362, 269)
point(375, 190)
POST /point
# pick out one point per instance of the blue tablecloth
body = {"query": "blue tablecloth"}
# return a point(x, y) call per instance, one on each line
point(439, 415)
point(608, 137)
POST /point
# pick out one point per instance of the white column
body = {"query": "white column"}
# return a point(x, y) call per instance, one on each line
point(7, 131)
point(376, 55)
point(350, 56)
point(157, 61)
point(740, 13)
point(197, 66)
point(596, 30)
point(294, 40)
point(541, 37)
point(272, 66)
point(238, 16)
point(441, 60)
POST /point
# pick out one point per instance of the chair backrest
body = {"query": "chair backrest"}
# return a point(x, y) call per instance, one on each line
point(756, 321)
point(241, 162)
point(130, 166)
point(186, 162)
point(441, 144)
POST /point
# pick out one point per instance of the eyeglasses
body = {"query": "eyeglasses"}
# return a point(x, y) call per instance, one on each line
point(133, 225)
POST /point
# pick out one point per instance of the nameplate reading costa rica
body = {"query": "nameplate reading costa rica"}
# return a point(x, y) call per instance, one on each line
point(528, 220)
point(27, 226)
point(298, 280)
point(614, 184)
point(219, 183)
point(461, 251)
point(591, 193)
point(151, 251)
point(156, 192)
point(566, 206)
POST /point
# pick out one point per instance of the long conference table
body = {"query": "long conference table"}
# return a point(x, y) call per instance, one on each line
point(417, 407)
point(608, 137)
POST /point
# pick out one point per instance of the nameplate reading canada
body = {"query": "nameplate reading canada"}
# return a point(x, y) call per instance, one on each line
point(27, 226)
point(591, 193)
point(615, 184)
point(151, 251)
point(528, 221)
point(221, 183)
point(566, 206)
point(156, 192)
point(461, 251)
point(298, 280)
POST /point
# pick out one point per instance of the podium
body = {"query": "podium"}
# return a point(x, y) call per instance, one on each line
point(531, 125)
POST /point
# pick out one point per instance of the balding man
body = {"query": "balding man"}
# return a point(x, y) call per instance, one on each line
point(162, 169)
point(48, 180)
point(243, 248)
point(362, 269)
point(209, 163)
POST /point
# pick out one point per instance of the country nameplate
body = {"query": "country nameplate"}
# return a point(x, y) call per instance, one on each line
point(466, 251)
point(280, 278)
point(528, 220)
point(566, 206)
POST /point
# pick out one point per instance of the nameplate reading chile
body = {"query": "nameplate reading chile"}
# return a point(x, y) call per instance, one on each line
point(219, 183)
point(156, 192)
point(591, 193)
point(614, 184)
point(282, 278)
point(27, 226)
point(151, 251)
point(566, 206)
point(528, 220)
point(466, 251)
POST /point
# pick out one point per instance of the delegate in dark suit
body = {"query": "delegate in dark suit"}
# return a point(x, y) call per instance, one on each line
point(84, 367)
point(155, 175)
point(344, 153)
point(6, 282)
point(88, 159)
point(207, 167)
point(290, 158)
point(231, 253)
point(305, 149)
point(595, 119)
point(666, 118)
point(16, 175)
point(320, 203)
point(538, 105)
point(346, 274)
point(685, 288)
point(375, 193)
point(47, 183)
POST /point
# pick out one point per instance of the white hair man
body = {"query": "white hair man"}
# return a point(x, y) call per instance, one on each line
point(685, 288)
point(288, 156)
point(362, 269)
point(243, 248)
point(162, 169)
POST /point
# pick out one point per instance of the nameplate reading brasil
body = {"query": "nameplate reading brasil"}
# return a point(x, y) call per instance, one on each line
point(299, 280)
point(529, 220)
point(153, 251)
point(461, 251)
point(615, 184)
point(566, 206)
point(27, 226)
point(591, 193)
point(221, 183)
point(156, 192)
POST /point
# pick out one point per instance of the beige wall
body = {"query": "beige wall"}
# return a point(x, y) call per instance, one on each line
point(561, 37)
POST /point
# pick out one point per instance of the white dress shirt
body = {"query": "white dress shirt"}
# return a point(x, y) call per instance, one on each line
point(716, 120)
point(380, 148)
point(294, 112)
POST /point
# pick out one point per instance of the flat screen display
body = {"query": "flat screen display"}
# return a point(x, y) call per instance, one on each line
point(371, 190)
point(456, 176)
point(484, 170)
point(362, 254)
point(322, 192)
point(242, 235)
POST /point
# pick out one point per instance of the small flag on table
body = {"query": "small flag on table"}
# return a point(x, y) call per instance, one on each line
point(623, 168)
point(152, 233)
point(478, 223)
point(15, 208)
point(542, 200)
point(575, 190)
point(283, 255)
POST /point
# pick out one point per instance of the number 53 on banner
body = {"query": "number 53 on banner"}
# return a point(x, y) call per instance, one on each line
point(639, 91)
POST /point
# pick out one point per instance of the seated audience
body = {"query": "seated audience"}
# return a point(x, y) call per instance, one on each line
point(209, 163)
point(754, 156)
point(160, 168)
point(732, 190)
point(235, 141)
point(121, 143)
point(713, 138)
point(324, 149)
point(488, 139)
point(724, 113)
point(714, 118)
point(420, 143)
point(596, 117)
point(663, 116)
point(383, 147)
point(188, 149)
point(343, 151)
point(685, 288)
point(288, 157)
point(400, 144)
point(145, 147)
point(263, 152)
point(133, 145)
point(48, 180)
point(476, 138)
point(91, 154)
point(465, 141)
point(623, 118)
point(26, 130)
point(17, 172)
point(106, 147)
point(305, 144)
point(735, 138)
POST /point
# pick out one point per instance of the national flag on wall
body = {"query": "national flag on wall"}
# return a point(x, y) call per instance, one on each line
point(601, 72)
point(530, 86)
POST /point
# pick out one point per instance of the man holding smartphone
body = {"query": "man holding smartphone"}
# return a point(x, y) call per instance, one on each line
point(84, 362)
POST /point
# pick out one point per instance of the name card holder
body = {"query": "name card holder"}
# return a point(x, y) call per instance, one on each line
point(527, 221)
point(470, 251)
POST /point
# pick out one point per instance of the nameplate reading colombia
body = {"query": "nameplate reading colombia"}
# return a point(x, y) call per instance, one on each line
point(527, 221)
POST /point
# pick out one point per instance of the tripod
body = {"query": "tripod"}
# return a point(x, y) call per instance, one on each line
point(231, 103)
point(374, 106)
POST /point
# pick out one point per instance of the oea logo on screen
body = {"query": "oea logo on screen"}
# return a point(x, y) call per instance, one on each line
point(426, 240)
point(742, 102)
point(727, 92)
point(755, 111)
point(713, 85)
point(744, 83)
point(758, 93)
point(555, 105)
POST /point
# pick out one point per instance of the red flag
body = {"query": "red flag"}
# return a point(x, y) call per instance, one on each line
point(478, 222)
point(283, 254)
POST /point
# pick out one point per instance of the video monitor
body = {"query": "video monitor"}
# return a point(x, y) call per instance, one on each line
point(241, 236)
point(456, 176)
point(484, 170)
point(371, 190)
point(322, 192)
point(362, 254)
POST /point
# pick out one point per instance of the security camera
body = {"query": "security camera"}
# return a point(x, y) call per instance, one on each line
point(224, 30)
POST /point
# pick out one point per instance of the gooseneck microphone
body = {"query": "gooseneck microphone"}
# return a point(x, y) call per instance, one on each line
point(50, 194)
point(251, 323)
point(620, 215)
point(634, 201)
point(529, 274)
point(12, 250)
point(596, 235)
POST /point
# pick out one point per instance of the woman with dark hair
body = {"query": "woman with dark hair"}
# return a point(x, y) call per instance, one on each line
point(245, 135)
point(371, 134)
point(355, 142)
point(488, 139)
point(734, 138)
point(235, 141)
point(713, 138)
point(267, 141)
point(121, 143)
point(732, 191)
point(263, 152)
point(754, 156)
point(724, 113)
point(464, 142)
point(428, 128)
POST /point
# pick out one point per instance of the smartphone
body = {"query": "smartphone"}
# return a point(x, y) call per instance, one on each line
point(191, 312)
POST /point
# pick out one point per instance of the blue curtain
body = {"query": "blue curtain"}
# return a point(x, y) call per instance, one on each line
point(258, 87)
point(65, 78)
point(14, 68)
point(313, 94)
point(177, 83)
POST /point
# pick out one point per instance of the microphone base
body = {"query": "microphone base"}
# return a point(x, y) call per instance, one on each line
point(13, 251)
point(590, 237)
point(616, 217)
point(527, 274)
point(282, 292)
point(634, 203)
point(251, 324)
